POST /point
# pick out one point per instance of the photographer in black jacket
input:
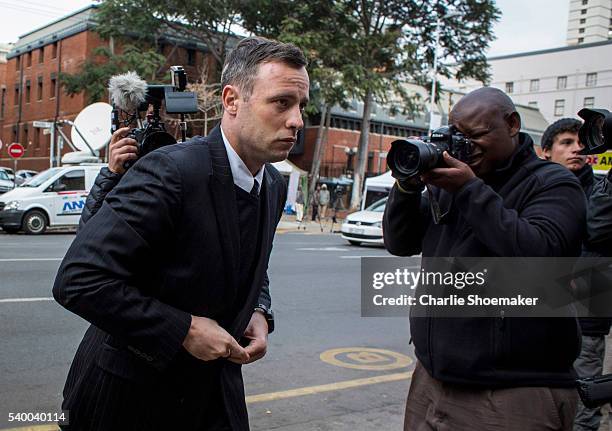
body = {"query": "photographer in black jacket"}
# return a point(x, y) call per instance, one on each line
point(561, 144)
point(491, 373)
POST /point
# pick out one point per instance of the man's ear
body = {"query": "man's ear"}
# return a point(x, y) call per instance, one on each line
point(514, 123)
point(546, 153)
point(230, 97)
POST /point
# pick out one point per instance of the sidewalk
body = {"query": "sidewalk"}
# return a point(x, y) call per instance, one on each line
point(289, 224)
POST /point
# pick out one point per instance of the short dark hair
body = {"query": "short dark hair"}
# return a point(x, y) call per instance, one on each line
point(560, 126)
point(242, 63)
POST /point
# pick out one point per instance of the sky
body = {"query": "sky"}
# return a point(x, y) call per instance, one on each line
point(526, 25)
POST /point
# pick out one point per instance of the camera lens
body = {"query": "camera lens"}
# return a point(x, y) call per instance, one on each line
point(410, 158)
point(596, 135)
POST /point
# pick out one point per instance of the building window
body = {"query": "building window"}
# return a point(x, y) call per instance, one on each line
point(26, 134)
point(583, 12)
point(534, 85)
point(581, 30)
point(27, 92)
point(37, 138)
point(559, 107)
point(591, 79)
point(509, 87)
point(561, 82)
point(52, 87)
point(585, 2)
point(589, 102)
point(582, 20)
point(191, 57)
point(2, 103)
point(580, 39)
point(39, 91)
point(29, 59)
point(41, 55)
point(17, 62)
point(533, 104)
point(54, 50)
point(16, 95)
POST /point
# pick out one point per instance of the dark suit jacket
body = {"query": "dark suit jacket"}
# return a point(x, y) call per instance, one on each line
point(163, 246)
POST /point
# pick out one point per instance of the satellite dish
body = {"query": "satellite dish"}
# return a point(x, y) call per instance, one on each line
point(94, 123)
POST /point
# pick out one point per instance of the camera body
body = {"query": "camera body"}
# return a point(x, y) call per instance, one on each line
point(152, 134)
point(410, 158)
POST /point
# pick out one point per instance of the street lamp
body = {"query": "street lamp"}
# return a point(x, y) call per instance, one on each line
point(435, 67)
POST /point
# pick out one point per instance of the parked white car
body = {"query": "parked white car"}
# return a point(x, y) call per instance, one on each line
point(365, 226)
point(24, 175)
point(5, 182)
point(55, 197)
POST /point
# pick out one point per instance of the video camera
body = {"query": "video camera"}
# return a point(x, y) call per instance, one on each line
point(131, 95)
point(596, 132)
point(412, 157)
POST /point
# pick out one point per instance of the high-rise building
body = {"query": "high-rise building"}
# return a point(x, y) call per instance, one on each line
point(589, 21)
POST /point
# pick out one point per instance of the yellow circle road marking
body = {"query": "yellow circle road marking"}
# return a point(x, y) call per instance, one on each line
point(366, 358)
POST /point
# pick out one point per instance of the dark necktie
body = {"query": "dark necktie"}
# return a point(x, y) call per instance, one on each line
point(255, 189)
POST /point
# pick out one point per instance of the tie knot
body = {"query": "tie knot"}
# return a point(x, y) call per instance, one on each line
point(255, 189)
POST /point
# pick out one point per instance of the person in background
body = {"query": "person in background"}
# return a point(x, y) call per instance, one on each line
point(323, 200)
point(299, 205)
point(314, 203)
point(561, 144)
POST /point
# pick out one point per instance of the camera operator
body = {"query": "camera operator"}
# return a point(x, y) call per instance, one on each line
point(561, 144)
point(171, 270)
point(490, 373)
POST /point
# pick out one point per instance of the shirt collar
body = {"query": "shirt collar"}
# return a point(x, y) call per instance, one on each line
point(241, 174)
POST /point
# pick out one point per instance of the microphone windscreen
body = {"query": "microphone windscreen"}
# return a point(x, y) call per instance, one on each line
point(127, 91)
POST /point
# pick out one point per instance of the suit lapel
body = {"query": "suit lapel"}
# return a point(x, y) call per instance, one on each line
point(225, 207)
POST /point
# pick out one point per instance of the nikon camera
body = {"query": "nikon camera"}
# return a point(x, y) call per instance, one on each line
point(410, 158)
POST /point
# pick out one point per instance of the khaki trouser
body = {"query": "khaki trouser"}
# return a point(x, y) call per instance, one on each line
point(433, 405)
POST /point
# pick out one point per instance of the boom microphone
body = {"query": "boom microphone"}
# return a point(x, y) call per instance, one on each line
point(127, 91)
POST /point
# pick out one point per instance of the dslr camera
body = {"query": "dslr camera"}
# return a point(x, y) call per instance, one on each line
point(596, 131)
point(132, 96)
point(410, 158)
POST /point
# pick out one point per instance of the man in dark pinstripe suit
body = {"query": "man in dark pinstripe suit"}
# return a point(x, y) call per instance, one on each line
point(171, 270)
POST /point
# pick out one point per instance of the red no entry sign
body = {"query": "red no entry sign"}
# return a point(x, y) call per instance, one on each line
point(16, 150)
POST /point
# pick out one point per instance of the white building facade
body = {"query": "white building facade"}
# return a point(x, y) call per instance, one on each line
point(559, 82)
point(589, 21)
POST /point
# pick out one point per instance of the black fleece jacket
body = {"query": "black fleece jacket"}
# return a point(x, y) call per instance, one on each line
point(528, 207)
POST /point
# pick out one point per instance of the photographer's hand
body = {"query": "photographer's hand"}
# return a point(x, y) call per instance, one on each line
point(121, 149)
point(207, 341)
point(452, 178)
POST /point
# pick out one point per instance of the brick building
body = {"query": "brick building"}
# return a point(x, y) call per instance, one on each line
point(32, 93)
point(32, 89)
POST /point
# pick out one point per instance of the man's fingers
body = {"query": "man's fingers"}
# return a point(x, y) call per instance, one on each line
point(451, 161)
point(122, 143)
point(237, 352)
point(125, 149)
point(256, 349)
point(119, 134)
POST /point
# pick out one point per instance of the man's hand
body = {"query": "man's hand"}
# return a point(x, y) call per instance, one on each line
point(451, 178)
point(207, 341)
point(257, 333)
point(121, 149)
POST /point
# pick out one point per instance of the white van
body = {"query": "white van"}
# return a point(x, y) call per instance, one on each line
point(55, 197)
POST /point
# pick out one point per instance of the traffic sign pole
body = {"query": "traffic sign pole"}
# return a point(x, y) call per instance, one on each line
point(15, 151)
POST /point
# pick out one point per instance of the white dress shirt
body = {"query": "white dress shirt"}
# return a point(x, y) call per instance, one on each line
point(241, 174)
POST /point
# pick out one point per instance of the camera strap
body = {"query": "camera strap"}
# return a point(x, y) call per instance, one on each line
point(434, 206)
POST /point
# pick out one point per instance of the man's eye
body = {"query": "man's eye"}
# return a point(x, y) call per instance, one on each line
point(282, 103)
